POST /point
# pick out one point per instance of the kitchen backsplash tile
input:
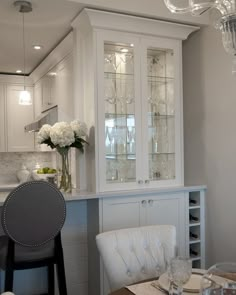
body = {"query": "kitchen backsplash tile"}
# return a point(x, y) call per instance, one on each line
point(10, 163)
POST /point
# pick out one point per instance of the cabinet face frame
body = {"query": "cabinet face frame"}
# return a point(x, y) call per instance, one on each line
point(140, 47)
point(176, 47)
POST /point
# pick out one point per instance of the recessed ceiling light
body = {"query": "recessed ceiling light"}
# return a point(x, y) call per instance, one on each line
point(18, 71)
point(52, 73)
point(132, 45)
point(124, 50)
point(37, 47)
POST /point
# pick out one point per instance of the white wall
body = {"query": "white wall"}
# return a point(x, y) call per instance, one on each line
point(210, 137)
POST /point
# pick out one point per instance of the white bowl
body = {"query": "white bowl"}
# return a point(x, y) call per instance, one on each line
point(37, 176)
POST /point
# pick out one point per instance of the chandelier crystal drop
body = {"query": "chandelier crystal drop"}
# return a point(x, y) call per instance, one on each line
point(226, 22)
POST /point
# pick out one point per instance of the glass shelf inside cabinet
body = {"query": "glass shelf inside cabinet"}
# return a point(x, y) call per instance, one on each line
point(161, 114)
point(119, 97)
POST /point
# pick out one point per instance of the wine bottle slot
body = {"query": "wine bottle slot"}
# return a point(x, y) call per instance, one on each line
point(193, 252)
point(191, 201)
point(193, 235)
point(193, 218)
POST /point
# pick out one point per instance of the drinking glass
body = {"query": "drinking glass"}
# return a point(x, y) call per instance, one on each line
point(131, 139)
point(219, 279)
point(110, 91)
point(111, 136)
point(180, 271)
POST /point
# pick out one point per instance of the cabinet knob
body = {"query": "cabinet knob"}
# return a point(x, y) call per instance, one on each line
point(150, 202)
point(144, 202)
point(140, 181)
point(147, 181)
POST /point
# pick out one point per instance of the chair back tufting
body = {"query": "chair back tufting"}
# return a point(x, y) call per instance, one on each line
point(135, 254)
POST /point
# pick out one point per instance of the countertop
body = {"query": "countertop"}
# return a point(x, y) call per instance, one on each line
point(77, 195)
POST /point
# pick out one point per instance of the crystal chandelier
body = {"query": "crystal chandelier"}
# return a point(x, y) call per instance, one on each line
point(226, 22)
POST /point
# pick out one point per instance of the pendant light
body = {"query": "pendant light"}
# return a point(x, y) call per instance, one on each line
point(24, 7)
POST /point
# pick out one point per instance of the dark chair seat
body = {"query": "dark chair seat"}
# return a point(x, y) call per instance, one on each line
point(23, 254)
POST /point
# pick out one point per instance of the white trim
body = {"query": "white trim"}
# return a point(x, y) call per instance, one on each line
point(15, 79)
point(54, 57)
point(148, 8)
point(133, 24)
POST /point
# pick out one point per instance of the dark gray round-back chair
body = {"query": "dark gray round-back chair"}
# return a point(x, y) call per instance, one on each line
point(32, 218)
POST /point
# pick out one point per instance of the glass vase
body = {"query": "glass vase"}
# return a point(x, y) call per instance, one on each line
point(65, 183)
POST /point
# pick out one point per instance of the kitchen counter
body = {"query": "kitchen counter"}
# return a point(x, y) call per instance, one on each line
point(78, 195)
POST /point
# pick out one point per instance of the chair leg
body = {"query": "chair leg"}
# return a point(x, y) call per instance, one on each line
point(51, 285)
point(9, 280)
point(9, 273)
point(61, 276)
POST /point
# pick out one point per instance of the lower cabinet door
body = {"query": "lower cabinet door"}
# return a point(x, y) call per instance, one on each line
point(169, 209)
point(126, 212)
point(117, 213)
point(122, 212)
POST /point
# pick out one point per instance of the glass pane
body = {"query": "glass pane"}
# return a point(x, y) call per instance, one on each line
point(161, 114)
point(120, 133)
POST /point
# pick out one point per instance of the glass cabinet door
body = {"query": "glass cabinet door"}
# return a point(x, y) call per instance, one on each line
point(161, 97)
point(120, 122)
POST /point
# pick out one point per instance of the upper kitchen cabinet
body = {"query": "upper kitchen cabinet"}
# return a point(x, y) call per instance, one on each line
point(53, 81)
point(48, 91)
point(13, 117)
point(17, 116)
point(130, 70)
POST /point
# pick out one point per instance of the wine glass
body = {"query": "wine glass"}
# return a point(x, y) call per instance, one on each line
point(110, 92)
point(111, 136)
point(131, 138)
point(180, 270)
point(155, 138)
point(219, 279)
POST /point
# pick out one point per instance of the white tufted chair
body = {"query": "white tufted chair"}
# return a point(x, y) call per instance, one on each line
point(135, 254)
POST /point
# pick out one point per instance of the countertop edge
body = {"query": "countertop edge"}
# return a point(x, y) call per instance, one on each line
point(78, 195)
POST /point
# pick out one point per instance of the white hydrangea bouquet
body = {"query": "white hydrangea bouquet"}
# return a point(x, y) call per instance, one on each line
point(62, 136)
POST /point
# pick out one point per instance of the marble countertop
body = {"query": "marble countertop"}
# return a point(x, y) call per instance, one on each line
point(77, 195)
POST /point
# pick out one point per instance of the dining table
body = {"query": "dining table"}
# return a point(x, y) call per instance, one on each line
point(126, 291)
point(152, 287)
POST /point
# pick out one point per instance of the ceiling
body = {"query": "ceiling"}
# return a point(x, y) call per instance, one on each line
point(47, 25)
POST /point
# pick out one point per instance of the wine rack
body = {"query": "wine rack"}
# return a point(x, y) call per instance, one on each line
point(196, 220)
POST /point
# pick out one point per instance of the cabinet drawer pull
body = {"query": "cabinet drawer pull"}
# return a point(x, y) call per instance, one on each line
point(144, 202)
point(147, 181)
point(140, 181)
point(150, 202)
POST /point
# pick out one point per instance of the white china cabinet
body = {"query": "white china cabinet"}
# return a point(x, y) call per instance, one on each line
point(131, 95)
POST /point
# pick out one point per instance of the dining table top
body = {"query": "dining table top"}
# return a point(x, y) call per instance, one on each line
point(125, 291)
point(122, 291)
